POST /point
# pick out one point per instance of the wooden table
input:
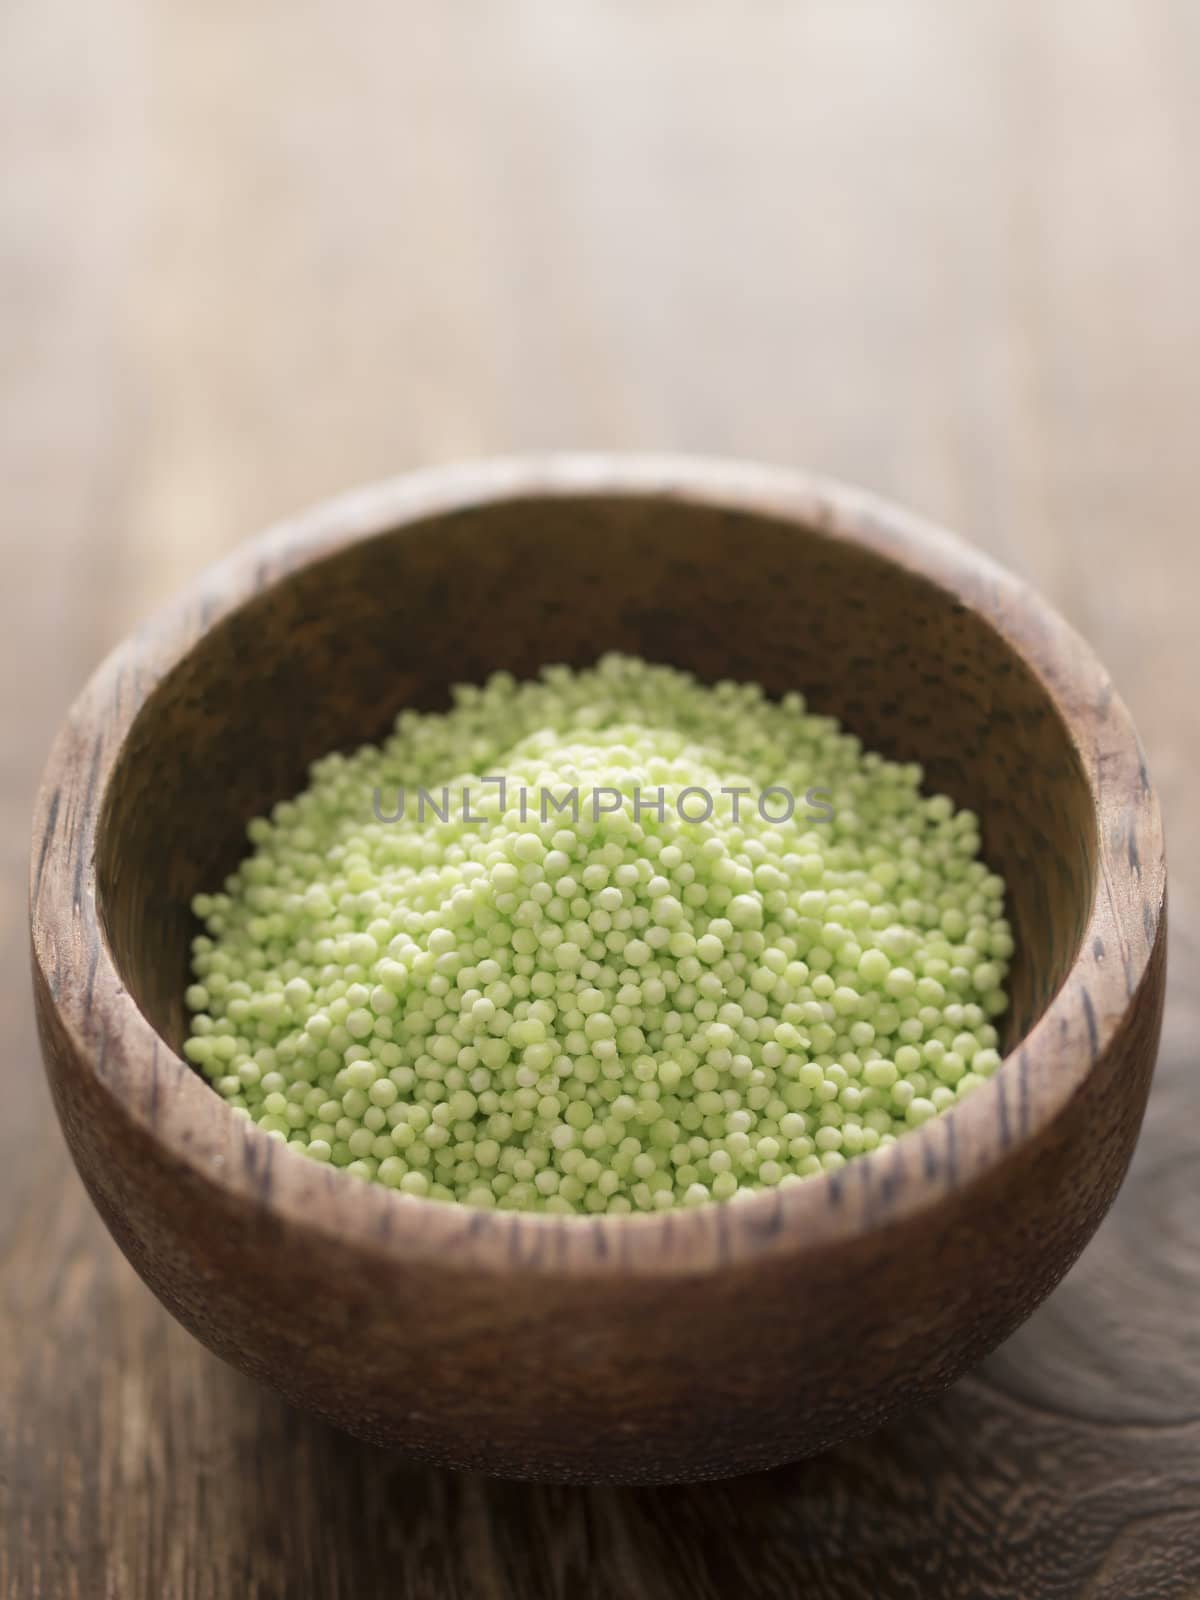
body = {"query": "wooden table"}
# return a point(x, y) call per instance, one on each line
point(252, 254)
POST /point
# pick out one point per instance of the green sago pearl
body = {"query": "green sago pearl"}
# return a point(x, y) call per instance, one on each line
point(616, 1012)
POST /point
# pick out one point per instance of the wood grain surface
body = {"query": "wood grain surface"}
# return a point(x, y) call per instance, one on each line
point(249, 255)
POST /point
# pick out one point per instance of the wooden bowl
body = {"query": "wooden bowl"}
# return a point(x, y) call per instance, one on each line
point(647, 1348)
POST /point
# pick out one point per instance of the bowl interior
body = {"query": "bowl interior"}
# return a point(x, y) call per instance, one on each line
point(325, 657)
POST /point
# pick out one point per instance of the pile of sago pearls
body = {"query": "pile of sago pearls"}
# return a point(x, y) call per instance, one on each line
point(603, 1014)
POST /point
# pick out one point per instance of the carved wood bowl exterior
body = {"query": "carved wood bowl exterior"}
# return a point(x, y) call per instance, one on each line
point(649, 1348)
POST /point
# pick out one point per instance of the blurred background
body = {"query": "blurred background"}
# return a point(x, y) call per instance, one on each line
point(252, 254)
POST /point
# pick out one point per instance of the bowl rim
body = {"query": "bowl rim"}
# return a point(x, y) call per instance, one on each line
point(154, 1091)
